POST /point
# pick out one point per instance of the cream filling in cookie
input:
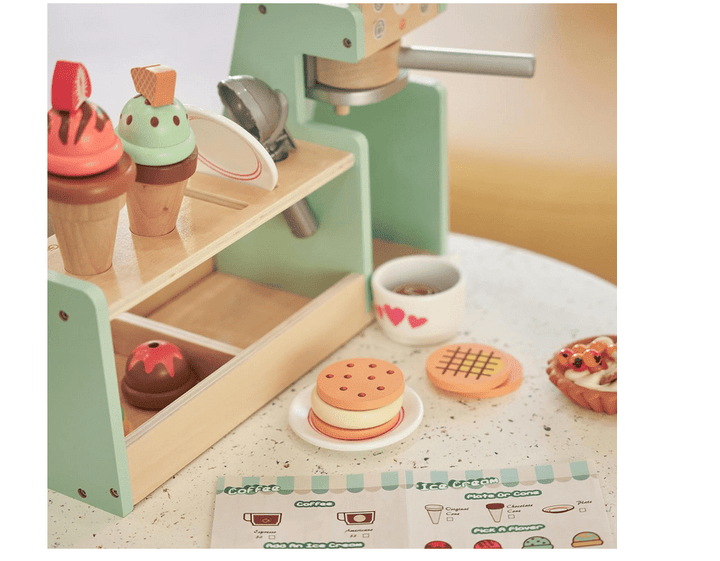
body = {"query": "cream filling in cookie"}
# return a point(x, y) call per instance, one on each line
point(591, 380)
point(353, 419)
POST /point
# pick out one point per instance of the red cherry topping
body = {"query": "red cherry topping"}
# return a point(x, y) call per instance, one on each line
point(593, 360)
point(563, 356)
point(577, 363)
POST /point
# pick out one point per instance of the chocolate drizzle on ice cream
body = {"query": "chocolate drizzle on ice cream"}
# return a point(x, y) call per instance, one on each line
point(87, 111)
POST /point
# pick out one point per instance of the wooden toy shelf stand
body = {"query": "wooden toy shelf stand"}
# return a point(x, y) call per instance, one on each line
point(254, 307)
point(246, 340)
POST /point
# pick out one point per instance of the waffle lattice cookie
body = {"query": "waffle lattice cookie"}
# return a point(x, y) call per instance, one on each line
point(474, 370)
point(156, 83)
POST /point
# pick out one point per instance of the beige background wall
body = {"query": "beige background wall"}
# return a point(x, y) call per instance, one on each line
point(533, 161)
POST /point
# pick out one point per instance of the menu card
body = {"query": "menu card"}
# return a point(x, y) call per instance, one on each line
point(535, 507)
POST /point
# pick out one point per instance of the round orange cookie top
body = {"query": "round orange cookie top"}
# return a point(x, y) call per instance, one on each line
point(468, 368)
point(360, 384)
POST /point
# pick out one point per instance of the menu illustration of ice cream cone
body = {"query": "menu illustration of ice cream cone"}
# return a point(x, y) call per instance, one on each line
point(495, 510)
point(434, 512)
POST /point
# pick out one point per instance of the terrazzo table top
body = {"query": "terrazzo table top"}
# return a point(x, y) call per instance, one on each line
point(518, 301)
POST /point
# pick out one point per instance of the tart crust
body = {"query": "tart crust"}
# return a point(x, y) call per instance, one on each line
point(601, 402)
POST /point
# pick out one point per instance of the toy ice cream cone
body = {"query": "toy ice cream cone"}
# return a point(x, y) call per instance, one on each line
point(88, 174)
point(156, 132)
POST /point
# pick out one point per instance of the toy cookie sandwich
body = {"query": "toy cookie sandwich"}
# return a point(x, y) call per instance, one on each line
point(358, 398)
point(586, 372)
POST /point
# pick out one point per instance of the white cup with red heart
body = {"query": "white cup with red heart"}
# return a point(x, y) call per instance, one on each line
point(419, 299)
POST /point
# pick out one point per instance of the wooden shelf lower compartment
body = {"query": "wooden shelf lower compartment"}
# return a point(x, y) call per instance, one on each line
point(247, 342)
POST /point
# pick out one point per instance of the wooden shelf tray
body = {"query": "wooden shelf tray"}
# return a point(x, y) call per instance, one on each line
point(212, 321)
point(236, 381)
point(216, 212)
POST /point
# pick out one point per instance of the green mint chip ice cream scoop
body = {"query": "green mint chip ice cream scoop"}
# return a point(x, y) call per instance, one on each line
point(155, 136)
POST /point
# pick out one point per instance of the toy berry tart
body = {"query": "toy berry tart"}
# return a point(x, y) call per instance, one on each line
point(586, 372)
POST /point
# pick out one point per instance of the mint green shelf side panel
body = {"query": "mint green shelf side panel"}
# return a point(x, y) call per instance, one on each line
point(270, 47)
point(408, 163)
point(86, 444)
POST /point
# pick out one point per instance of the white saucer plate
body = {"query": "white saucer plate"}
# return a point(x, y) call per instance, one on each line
point(298, 418)
point(225, 149)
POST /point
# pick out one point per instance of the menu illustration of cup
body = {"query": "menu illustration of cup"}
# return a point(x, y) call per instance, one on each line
point(434, 512)
point(361, 517)
point(263, 518)
point(495, 510)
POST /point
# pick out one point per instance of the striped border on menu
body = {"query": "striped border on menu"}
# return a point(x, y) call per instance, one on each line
point(389, 481)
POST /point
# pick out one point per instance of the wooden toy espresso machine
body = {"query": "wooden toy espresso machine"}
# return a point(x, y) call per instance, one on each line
point(345, 75)
point(253, 306)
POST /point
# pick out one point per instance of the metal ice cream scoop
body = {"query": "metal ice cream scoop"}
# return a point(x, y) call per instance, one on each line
point(263, 112)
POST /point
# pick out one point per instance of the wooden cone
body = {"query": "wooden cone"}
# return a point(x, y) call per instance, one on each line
point(153, 209)
point(86, 234)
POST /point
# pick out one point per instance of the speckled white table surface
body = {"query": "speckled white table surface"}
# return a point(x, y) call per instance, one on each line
point(521, 302)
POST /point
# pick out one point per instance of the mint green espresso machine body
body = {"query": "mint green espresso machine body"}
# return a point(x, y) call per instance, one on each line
point(397, 188)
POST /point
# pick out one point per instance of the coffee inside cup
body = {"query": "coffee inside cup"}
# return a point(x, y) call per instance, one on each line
point(420, 276)
point(415, 289)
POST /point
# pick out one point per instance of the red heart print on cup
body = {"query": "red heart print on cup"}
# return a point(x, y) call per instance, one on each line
point(395, 315)
point(415, 321)
point(379, 311)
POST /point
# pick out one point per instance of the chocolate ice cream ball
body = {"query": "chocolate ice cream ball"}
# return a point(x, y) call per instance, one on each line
point(156, 373)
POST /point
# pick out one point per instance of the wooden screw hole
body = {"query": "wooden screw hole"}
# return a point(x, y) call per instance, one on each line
point(63, 315)
point(82, 493)
point(114, 493)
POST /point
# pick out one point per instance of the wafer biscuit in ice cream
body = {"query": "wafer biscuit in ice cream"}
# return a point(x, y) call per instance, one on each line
point(156, 83)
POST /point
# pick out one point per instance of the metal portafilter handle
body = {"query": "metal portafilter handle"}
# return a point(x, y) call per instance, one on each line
point(466, 61)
